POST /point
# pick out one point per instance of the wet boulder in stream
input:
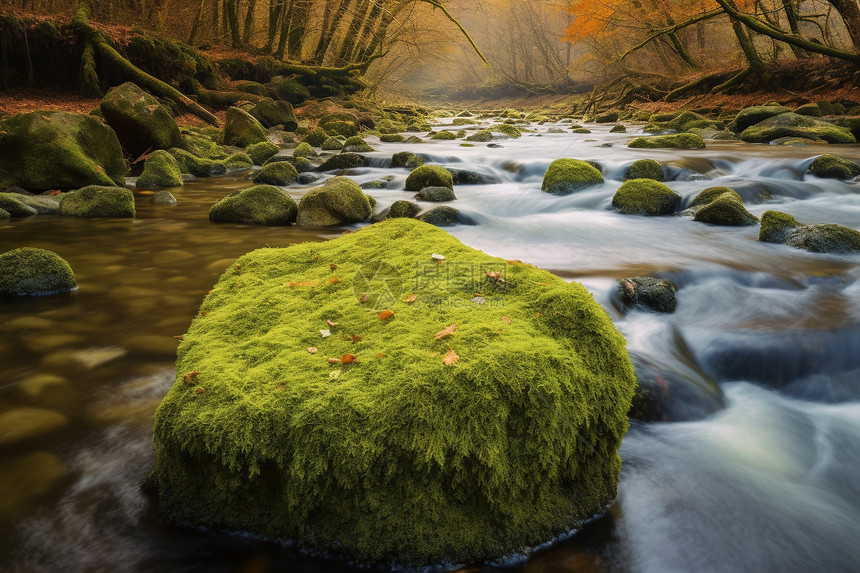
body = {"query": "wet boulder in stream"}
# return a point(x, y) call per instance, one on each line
point(793, 125)
point(429, 176)
point(721, 206)
point(31, 271)
point(258, 205)
point(565, 176)
point(647, 293)
point(97, 201)
point(436, 194)
point(242, 129)
point(645, 197)
point(777, 227)
point(258, 388)
point(160, 170)
point(338, 201)
point(829, 166)
point(140, 121)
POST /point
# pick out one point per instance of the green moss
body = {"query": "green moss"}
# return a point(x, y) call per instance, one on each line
point(255, 88)
point(238, 161)
point(390, 127)
point(607, 117)
point(775, 226)
point(271, 113)
point(406, 159)
point(429, 176)
point(341, 127)
point(618, 129)
point(645, 197)
point(833, 167)
point(565, 176)
point(288, 90)
point(825, 238)
point(304, 150)
point(197, 166)
point(4, 214)
point(645, 169)
point(444, 136)
point(262, 151)
point(481, 137)
point(756, 114)
point(508, 130)
point(581, 130)
point(342, 161)
point(338, 201)
point(356, 145)
point(332, 144)
point(793, 125)
point(391, 138)
point(259, 205)
point(47, 150)
point(202, 145)
point(160, 170)
point(663, 117)
point(139, 120)
point(443, 216)
point(397, 454)
point(13, 207)
point(413, 139)
point(242, 129)
point(29, 271)
point(316, 138)
point(401, 208)
point(98, 201)
point(280, 173)
point(436, 194)
point(721, 206)
point(675, 141)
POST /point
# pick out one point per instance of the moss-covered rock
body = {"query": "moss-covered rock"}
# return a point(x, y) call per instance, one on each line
point(480, 137)
point(242, 129)
point(98, 201)
point(391, 138)
point(406, 159)
point(645, 197)
point(56, 150)
point(342, 161)
point(287, 89)
point(810, 110)
point(141, 123)
point(346, 128)
point(756, 114)
point(606, 117)
point(406, 209)
point(469, 177)
point(202, 145)
point(338, 201)
point(271, 113)
point(197, 166)
point(280, 173)
point(645, 169)
point(436, 194)
point(619, 128)
point(262, 151)
point(508, 130)
point(419, 449)
point(160, 170)
point(255, 88)
point(777, 227)
point(647, 293)
point(29, 271)
point(356, 144)
point(332, 144)
point(238, 161)
point(581, 130)
point(429, 176)
point(793, 125)
point(566, 176)
point(316, 138)
point(14, 207)
point(4, 214)
point(830, 166)
point(721, 206)
point(443, 216)
point(304, 150)
point(674, 141)
point(444, 135)
point(259, 205)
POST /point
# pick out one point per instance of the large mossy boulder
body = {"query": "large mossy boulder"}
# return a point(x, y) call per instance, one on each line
point(406, 159)
point(160, 170)
point(197, 166)
point(756, 114)
point(443, 216)
point(436, 194)
point(342, 161)
point(13, 205)
point(721, 206)
point(388, 439)
point(674, 141)
point(429, 176)
point(30, 271)
point(338, 201)
point(829, 166)
point(287, 89)
point(645, 197)
point(46, 150)
point(141, 123)
point(242, 129)
point(645, 169)
point(793, 125)
point(259, 205)
point(356, 144)
point(261, 152)
point(279, 173)
point(402, 208)
point(98, 201)
point(777, 227)
point(271, 113)
point(565, 176)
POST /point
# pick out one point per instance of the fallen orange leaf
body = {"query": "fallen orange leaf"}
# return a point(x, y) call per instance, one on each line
point(198, 391)
point(332, 266)
point(364, 298)
point(356, 338)
point(348, 358)
point(411, 298)
point(303, 283)
point(55, 193)
point(446, 332)
point(451, 357)
point(334, 280)
point(506, 319)
point(386, 314)
point(190, 377)
point(332, 323)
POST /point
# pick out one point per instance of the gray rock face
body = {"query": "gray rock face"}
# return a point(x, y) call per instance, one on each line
point(647, 292)
point(141, 123)
point(441, 216)
point(436, 194)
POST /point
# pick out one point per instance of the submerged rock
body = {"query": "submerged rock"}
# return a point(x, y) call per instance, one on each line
point(27, 423)
point(140, 121)
point(31, 271)
point(259, 205)
point(336, 202)
point(260, 434)
point(98, 201)
point(674, 141)
point(829, 166)
point(793, 125)
point(429, 176)
point(648, 293)
point(565, 176)
point(25, 478)
point(163, 199)
point(777, 227)
point(160, 170)
point(47, 150)
point(469, 177)
point(645, 197)
point(280, 173)
point(721, 206)
point(242, 129)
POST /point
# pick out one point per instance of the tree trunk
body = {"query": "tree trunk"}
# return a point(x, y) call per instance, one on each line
point(248, 29)
point(849, 10)
point(298, 28)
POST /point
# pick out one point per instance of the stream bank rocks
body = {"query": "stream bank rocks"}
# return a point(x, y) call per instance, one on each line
point(160, 170)
point(259, 433)
point(242, 129)
point(829, 166)
point(98, 201)
point(777, 227)
point(140, 121)
point(31, 271)
point(338, 201)
point(258, 205)
point(796, 126)
point(429, 176)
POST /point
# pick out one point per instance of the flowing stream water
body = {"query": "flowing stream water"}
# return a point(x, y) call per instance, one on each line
point(759, 365)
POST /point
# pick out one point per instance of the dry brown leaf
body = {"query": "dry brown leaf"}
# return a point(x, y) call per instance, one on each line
point(332, 266)
point(410, 299)
point(334, 280)
point(348, 358)
point(190, 377)
point(364, 298)
point(302, 283)
point(334, 361)
point(446, 332)
point(332, 323)
point(451, 357)
point(506, 319)
point(198, 391)
point(386, 314)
